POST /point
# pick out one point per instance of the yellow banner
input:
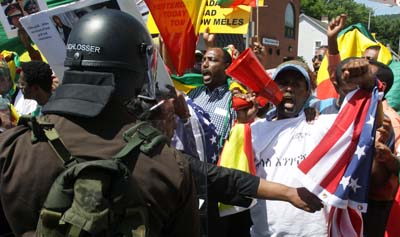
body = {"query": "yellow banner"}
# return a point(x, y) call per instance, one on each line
point(219, 20)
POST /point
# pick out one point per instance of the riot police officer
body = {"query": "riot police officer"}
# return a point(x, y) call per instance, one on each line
point(101, 97)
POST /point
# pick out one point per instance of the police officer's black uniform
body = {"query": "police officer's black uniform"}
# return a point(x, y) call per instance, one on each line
point(88, 110)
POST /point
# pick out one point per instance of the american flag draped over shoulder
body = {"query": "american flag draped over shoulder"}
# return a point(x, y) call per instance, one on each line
point(204, 142)
point(338, 169)
point(206, 132)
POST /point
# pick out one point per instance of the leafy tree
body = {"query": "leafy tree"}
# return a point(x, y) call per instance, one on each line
point(387, 28)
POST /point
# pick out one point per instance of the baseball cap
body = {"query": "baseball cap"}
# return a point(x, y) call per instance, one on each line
point(290, 66)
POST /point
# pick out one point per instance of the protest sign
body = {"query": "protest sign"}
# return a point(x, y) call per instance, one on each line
point(49, 30)
point(219, 20)
point(12, 10)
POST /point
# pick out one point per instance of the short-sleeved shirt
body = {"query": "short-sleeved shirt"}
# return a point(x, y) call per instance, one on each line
point(217, 103)
point(279, 146)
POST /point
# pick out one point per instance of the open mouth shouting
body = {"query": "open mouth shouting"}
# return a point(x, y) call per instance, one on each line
point(206, 76)
point(288, 102)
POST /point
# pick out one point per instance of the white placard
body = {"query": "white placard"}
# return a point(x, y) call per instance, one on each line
point(12, 10)
point(49, 31)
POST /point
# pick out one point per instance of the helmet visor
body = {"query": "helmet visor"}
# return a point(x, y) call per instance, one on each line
point(159, 85)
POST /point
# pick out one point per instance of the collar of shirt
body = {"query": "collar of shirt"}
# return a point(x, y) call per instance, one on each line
point(220, 90)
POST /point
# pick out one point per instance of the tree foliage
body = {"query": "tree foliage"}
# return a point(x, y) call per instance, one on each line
point(386, 28)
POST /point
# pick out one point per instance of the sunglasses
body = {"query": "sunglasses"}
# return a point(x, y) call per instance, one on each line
point(369, 58)
point(319, 57)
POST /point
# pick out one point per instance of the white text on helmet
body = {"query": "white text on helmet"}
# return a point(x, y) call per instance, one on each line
point(84, 47)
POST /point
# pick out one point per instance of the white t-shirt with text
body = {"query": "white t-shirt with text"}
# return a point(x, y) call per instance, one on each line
point(279, 146)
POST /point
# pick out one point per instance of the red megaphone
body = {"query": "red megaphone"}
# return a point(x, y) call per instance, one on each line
point(249, 71)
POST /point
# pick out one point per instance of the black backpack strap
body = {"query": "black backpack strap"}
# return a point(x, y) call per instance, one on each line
point(140, 135)
point(43, 130)
point(144, 135)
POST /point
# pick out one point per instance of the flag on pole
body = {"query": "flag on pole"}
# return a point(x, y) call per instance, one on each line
point(352, 42)
point(235, 3)
point(178, 22)
point(338, 169)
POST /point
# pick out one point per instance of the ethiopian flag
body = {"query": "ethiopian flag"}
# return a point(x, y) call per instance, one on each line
point(237, 154)
point(352, 42)
point(187, 82)
point(178, 22)
point(235, 3)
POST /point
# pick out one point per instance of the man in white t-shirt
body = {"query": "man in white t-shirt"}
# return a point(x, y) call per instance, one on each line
point(280, 145)
point(24, 106)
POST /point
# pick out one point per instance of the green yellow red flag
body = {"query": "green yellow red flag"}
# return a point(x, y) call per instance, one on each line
point(352, 42)
point(178, 22)
point(237, 154)
point(187, 82)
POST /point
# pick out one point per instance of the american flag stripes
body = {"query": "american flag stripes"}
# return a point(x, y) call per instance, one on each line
point(338, 169)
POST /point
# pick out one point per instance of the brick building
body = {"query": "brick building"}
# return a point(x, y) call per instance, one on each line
point(278, 27)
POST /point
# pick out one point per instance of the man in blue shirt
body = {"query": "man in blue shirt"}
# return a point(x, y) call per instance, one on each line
point(214, 97)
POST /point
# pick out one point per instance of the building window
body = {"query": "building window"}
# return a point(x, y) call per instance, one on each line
point(318, 44)
point(289, 21)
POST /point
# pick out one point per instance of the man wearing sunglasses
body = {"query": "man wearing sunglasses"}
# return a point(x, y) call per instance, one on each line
point(319, 55)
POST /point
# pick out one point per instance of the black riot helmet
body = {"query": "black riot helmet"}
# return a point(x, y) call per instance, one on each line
point(108, 38)
point(107, 55)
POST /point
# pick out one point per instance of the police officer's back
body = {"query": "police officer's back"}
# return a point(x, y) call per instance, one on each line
point(91, 110)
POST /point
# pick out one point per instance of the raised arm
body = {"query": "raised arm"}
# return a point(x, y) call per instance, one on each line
point(335, 26)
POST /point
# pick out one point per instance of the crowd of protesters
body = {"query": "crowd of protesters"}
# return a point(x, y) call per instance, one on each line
point(289, 129)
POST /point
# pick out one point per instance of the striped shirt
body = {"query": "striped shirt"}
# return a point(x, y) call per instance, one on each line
point(218, 104)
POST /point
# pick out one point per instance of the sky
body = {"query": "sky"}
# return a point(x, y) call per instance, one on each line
point(380, 8)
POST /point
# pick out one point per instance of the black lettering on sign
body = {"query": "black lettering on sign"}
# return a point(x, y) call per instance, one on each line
point(210, 12)
point(211, 3)
point(228, 22)
point(205, 21)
